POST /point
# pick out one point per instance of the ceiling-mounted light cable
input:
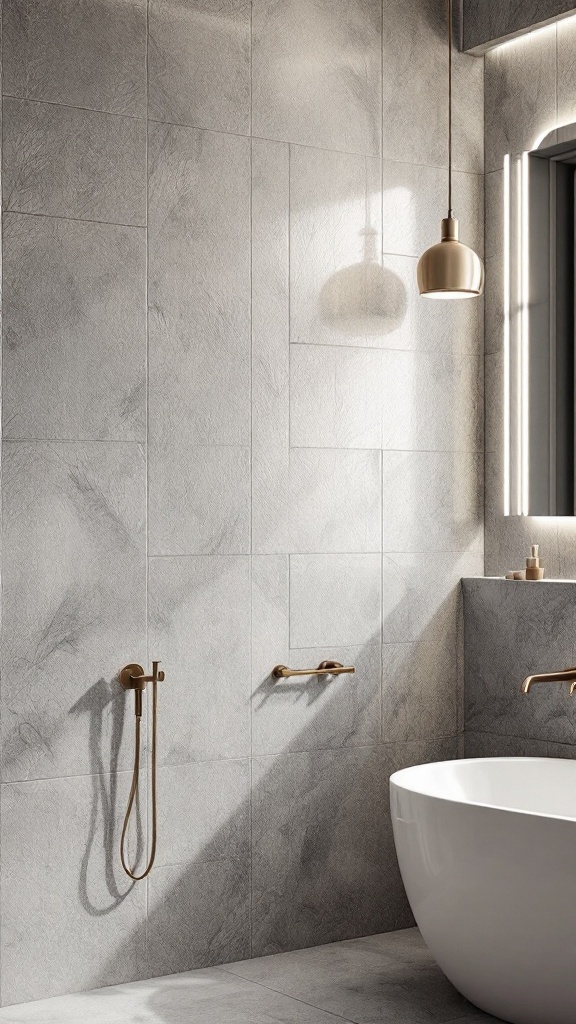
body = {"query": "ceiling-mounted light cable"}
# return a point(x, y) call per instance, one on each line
point(450, 269)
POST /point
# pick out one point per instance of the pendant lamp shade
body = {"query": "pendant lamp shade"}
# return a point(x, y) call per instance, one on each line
point(450, 269)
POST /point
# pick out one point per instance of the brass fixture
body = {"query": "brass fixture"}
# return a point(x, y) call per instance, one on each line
point(450, 269)
point(325, 668)
point(132, 678)
point(565, 675)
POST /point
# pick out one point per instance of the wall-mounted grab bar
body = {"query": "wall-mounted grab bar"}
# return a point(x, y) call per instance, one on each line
point(325, 668)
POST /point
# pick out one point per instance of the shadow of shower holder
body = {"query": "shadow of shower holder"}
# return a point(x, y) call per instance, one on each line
point(325, 668)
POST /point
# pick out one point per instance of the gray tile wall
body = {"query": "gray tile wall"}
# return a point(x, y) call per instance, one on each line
point(512, 630)
point(230, 440)
point(530, 88)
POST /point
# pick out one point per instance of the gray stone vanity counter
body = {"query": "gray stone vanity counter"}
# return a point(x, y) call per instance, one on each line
point(511, 629)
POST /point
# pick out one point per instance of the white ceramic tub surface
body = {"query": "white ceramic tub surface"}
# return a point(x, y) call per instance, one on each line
point(487, 851)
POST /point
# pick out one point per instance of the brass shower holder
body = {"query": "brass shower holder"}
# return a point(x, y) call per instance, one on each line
point(325, 668)
point(132, 677)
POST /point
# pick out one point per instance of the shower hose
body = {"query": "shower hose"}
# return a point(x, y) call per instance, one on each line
point(134, 786)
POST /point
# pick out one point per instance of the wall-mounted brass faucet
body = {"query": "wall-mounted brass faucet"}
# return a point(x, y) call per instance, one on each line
point(565, 675)
point(132, 677)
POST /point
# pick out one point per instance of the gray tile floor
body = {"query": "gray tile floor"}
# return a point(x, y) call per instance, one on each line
point(383, 979)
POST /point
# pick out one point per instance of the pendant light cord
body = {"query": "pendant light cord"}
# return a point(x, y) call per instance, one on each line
point(450, 211)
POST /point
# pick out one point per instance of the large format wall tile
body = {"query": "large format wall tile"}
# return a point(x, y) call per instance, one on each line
point(432, 402)
point(270, 293)
point(335, 397)
point(421, 594)
point(319, 823)
point(71, 919)
point(432, 501)
point(88, 54)
point(337, 293)
point(415, 114)
point(412, 324)
point(419, 690)
point(334, 599)
point(74, 581)
point(315, 500)
point(199, 286)
point(67, 162)
point(199, 896)
point(512, 630)
point(74, 330)
point(199, 500)
point(199, 626)
point(415, 200)
point(316, 73)
point(199, 63)
point(520, 95)
point(366, 398)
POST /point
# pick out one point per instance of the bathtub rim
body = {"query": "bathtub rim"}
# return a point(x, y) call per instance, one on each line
point(398, 777)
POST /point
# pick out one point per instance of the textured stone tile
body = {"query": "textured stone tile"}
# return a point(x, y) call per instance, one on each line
point(314, 500)
point(335, 397)
point(199, 626)
point(199, 899)
point(494, 304)
point(391, 979)
point(432, 402)
point(74, 612)
point(408, 754)
point(421, 594)
point(199, 287)
point(319, 836)
point(512, 630)
point(208, 994)
point(270, 293)
point(419, 690)
point(415, 111)
point(59, 850)
point(520, 95)
point(415, 201)
point(494, 403)
point(482, 744)
point(74, 330)
point(66, 162)
point(337, 288)
point(199, 64)
point(432, 501)
point(93, 55)
point(308, 713)
point(566, 56)
point(334, 599)
point(199, 500)
point(316, 73)
point(494, 210)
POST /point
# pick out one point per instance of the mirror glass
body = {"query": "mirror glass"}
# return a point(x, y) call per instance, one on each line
point(539, 327)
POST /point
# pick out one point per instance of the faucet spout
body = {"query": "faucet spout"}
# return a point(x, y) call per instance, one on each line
point(565, 675)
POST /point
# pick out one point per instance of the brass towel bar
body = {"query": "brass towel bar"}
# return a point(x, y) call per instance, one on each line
point(325, 668)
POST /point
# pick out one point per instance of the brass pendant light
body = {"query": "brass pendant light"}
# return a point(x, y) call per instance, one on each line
point(450, 269)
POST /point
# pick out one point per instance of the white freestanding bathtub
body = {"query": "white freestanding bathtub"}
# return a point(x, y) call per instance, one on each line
point(487, 851)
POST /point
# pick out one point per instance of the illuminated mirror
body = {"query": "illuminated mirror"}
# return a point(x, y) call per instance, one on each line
point(539, 328)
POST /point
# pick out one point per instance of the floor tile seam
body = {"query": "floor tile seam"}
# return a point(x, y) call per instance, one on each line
point(269, 988)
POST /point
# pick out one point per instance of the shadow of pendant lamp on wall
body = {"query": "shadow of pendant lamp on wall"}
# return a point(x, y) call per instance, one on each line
point(450, 269)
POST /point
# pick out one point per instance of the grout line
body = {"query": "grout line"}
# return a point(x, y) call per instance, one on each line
point(296, 999)
point(74, 106)
point(75, 220)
